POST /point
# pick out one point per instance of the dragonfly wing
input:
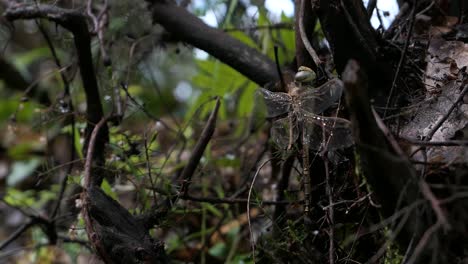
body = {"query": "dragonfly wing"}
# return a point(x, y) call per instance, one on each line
point(319, 99)
point(327, 132)
point(277, 103)
point(281, 132)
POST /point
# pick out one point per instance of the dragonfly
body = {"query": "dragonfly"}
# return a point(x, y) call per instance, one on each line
point(297, 114)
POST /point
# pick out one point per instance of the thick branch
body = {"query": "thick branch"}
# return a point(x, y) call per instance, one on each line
point(304, 14)
point(392, 177)
point(351, 36)
point(189, 28)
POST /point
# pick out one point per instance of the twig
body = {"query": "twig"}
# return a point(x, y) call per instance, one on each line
point(426, 9)
point(16, 234)
point(402, 57)
point(439, 123)
point(357, 32)
point(278, 69)
point(75, 22)
point(252, 243)
point(370, 8)
point(423, 242)
point(408, 250)
point(99, 23)
point(436, 143)
point(387, 134)
point(148, 166)
point(389, 240)
point(281, 25)
point(144, 110)
point(304, 38)
point(66, 84)
point(347, 201)
point(89, 155)
point(435, 204)
point(282, 187)
point(331, 212)
point(197, 153)
point(215, 200)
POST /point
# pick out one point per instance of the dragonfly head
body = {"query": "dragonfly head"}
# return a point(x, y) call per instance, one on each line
point(304, 75)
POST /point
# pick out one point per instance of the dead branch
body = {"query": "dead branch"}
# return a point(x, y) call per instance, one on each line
point(192, 30)
point(75, 22)
point(389, 175)
point(200, 147)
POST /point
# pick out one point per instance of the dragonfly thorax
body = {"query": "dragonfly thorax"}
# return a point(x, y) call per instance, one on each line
point(294, 91)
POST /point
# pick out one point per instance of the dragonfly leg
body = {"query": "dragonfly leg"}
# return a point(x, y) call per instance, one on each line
point(291, 131)
point(305, 171)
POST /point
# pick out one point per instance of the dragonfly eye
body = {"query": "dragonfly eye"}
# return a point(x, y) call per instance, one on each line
point(304, 75)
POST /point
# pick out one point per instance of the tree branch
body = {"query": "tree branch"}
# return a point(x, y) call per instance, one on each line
point(75, 22)
point(190, 29)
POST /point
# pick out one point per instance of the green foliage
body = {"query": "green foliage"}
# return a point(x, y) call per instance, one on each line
point(29, 198)
point(219, 250)
point(152, 72)
point(19, 198)
point(283, 39)
point(107, 188)
point(23, 60)
point(22, 112)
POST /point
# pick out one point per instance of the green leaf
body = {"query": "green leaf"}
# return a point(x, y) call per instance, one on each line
point(244, 38)
point(23, 60)
point(77, 143)
point(107, 188)
point(213, 209)
point(16, 197)
point(218, 250)
point(247, 100)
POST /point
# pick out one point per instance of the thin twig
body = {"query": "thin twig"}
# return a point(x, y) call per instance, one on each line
point(278, 69)
point(423, 242)
point(402, 57)
point(63, 183)
point(370, 8)
point(99, 22)
point(200, 147)
point(445, 143)
point(282, 25)
point(215, 200)
point(148, 166)
point(389, 240)
point(16, 234)
point(435, 204)
point(304, 38)
point(90, 152)
point(387, 133)
point(439, 123)
point(331, 213)
point(252, 243)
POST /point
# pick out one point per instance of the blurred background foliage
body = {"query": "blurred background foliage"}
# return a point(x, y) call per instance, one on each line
point(167, 90)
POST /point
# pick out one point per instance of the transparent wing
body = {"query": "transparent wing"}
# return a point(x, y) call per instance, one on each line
point(327, 132)
point(277, 103)
point(317, 100)
point(281, 132)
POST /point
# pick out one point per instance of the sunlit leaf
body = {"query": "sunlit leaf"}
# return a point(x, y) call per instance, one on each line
point(244, 38)
point(107, 188)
